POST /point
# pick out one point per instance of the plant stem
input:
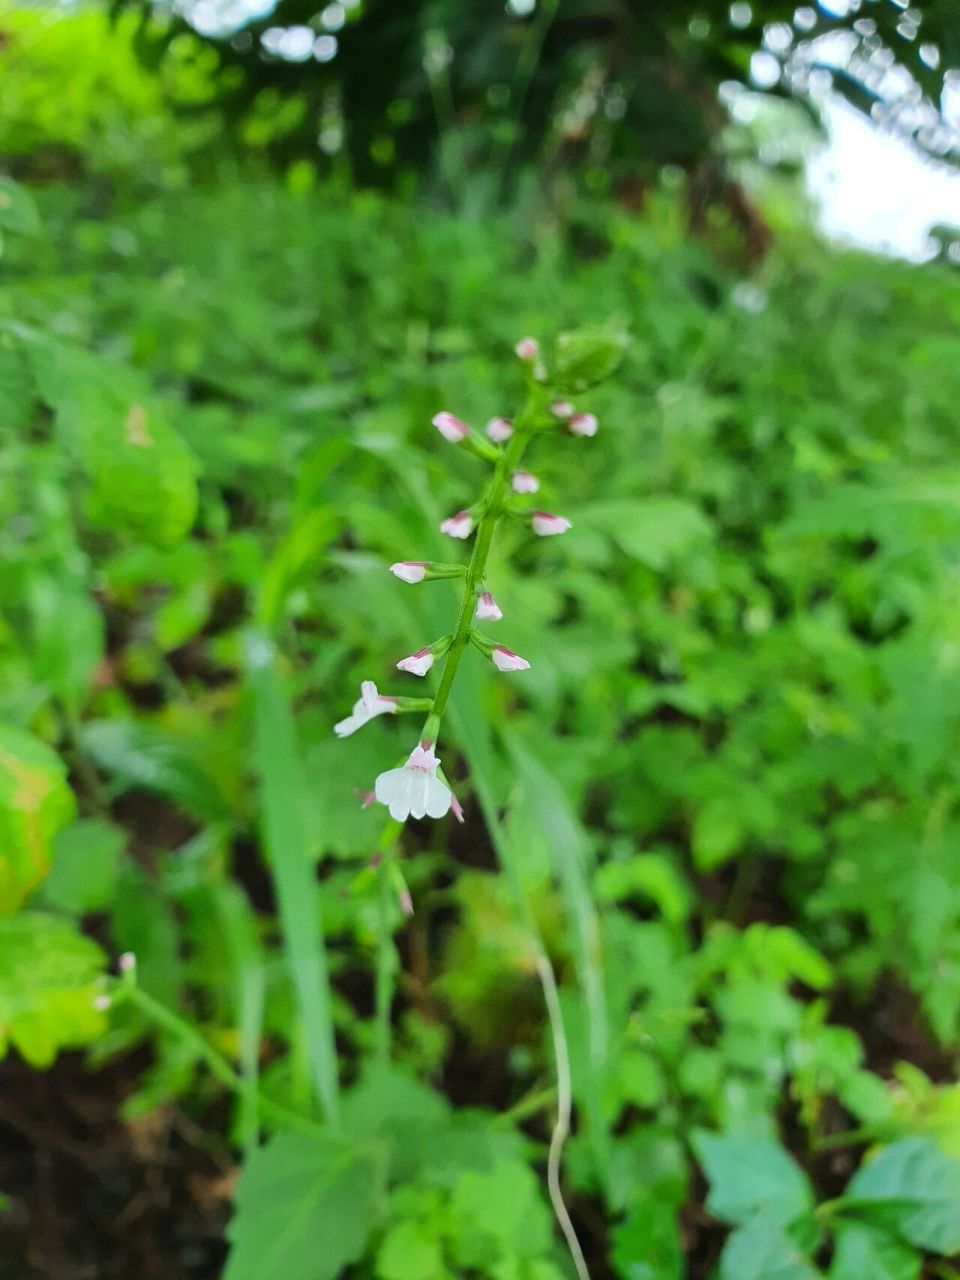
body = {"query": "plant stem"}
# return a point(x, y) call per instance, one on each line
point(492, 510)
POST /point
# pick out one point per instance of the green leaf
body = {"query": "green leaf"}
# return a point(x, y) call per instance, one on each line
point(748, 1175)
point(646, 1245)
point(48, 983)
point(18, 211)
point(86, 860)
point(762, 1249)
point(915, 1188)
point(410, 1252)
point(143, 478)
point(498, 1212)
point(35, 802)
point(652, 530)
point(587, 356)
point(305, 1207)
point(863, 1252)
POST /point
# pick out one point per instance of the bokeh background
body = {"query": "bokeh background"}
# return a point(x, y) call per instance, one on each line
point(249, 249)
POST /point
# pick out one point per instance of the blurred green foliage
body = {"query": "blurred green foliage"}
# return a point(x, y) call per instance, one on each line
point(724, 798)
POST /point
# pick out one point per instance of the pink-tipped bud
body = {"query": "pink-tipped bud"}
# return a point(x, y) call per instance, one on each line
point(409, 570)
point(548, 526)
point(458, 526)
point(561, 409)
point(499, 429)
point(582, 424)
point(527, 348)
point(524, 482)
point(127, 962)
point(487, 608)
point(406, 902)
point(506, 660)
point(418, 664)
point(451, 428)
point(366, 798)
point(457, 809)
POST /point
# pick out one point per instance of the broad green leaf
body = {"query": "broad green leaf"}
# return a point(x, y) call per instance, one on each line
point(584, 357)
point(914, 1189)
point(762, 1249)
point(35, 802)
point(18, 211)
point(646, 1245)
point(305, 1207)
point(410, 1251)
point(498, 1212)
point(142, 475)
point(86, 861)
point(863, 1252)
point(48, 984)
point(652, 530)
point(748, 1175)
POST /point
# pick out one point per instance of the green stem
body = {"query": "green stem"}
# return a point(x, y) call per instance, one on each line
point(219, 1067)
point(491, 506)
point(386, 951)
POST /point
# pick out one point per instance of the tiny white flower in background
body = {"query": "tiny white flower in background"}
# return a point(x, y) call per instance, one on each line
point(415, 790)
point(582, 424)
point(458, 526)
point(499, 429)
point(370, 704)
point(410, 570)
point(418, 664)
point(561, 409)
point(524, 482)
point(103, 1002)
point(547, 526)
point(451, 428)
point(487, 608)
point(527, 348)
point(506, 660)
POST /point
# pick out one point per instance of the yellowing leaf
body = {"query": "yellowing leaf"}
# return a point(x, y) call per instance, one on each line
point(35, 802)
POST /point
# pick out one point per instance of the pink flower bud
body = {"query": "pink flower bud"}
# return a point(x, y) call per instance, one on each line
point(458, 526)
point(527, 348)
point(487, 608)
point(582, 424)
point(410, 570)
point(524, 482)
point(457, 809)
point(366, 798)
point(561, 409)
point(451, 428)
point(406, 902)
point(499, 429)
point(506, 660)
point(418, 664)
point(547, 526)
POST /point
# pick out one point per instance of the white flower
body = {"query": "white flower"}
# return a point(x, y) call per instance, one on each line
point(414, 791)
point(410, 570)
point(527, 348)
point(499, 429)
point(458, 526)
point(506, 660)
point(524, 482)
point(487, 608)
point(548, 526)
point(371, 704)
point(582, 424)
point(451, 428)
point(561, 409)
point(418, 664)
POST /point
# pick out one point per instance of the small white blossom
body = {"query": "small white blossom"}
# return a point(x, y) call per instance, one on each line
point(458, 526)
point(506, 660)
point(415, 791)
point(410, 570)
point(582, 424)
point(561, 409)
point(370, 704)
point(524, 482)
point(547, 526)
point(487, 608)
point(499, 429)
point(418, 664)
point(451, 428)
point(527, 348)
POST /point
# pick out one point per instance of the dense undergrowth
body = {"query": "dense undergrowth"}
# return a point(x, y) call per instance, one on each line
point(726, 790)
